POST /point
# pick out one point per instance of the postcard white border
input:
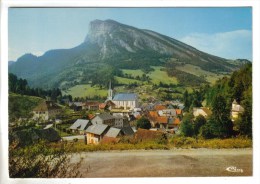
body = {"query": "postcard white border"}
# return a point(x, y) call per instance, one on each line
point(5, 4)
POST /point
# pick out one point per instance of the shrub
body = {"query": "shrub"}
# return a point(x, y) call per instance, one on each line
point(39, 161)
point(143, 123)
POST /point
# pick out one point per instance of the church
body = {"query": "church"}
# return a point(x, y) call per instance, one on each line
point(127, 101)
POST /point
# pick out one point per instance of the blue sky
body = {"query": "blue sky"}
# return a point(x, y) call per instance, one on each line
point(225, 32)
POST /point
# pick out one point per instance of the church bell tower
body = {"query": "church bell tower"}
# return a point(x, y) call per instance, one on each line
point(110, 92)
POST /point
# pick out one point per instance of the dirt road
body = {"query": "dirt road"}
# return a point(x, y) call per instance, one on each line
point(166, 163)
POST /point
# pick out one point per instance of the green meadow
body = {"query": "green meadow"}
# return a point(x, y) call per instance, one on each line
point(195, 70)
point(157, 76)
point(85, 90)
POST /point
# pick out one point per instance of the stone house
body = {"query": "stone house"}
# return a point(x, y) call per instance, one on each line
point(121, 121)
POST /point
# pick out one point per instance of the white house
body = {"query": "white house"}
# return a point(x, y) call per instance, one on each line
point(236, 110)
point(167, 112)
point(46, 110)
point(201, 111)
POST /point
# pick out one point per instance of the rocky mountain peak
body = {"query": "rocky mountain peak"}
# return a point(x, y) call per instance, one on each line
point(100, 28)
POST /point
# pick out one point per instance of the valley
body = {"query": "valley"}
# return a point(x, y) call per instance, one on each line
point(129, 94)
point(134, 77)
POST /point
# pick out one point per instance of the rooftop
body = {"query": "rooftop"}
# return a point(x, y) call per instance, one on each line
point(178, 111)
point(90, 103)
point(160, 107)
point(105, 116)
point(46, 105)
point(161, 120)
point(207, 111)
point(97, 129)
point(127, 130)
point(80, 124)
point(102, 105)
point(238, 108)
point(78, 104)
point(113, 132)
point(125, 97)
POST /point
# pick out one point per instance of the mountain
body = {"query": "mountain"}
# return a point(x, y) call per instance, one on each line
point(240, 62)
point(108, 47)
point(10, 63)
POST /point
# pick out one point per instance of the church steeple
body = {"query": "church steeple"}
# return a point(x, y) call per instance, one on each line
point(110, 92)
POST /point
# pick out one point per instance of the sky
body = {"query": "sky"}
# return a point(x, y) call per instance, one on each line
point(224, 32)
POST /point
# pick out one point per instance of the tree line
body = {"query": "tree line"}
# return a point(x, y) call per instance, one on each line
point(184, 78)
point(20, 86)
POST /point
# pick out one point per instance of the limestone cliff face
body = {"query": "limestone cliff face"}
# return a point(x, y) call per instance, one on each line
point(113, 37)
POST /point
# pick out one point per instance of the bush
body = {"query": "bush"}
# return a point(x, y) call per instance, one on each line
point(180, 142)
point(188, 142)
point(143, 123)
point(39, 161)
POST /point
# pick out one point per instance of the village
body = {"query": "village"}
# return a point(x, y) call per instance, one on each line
point(127, 92)
point(117, 117)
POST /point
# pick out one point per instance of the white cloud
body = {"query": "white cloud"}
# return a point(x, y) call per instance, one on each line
point(230, 45)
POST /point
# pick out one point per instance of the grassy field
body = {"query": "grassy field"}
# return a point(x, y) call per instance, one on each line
point(157, 75)
point(122, 80)
point(85, 90)
point(134, 73)
point(172, 143)
point(22, 105)
point(195, 70)
point(161, 76)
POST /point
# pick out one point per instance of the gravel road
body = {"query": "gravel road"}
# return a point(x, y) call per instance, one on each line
point(166, 163)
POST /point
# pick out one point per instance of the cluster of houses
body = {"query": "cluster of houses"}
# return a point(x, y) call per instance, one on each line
point(163, 116)
point(101, 127)
point(112, 118)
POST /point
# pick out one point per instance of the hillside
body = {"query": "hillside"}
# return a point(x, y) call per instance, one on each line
point(110, 48)
point(238, 87)
point(21, 106)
